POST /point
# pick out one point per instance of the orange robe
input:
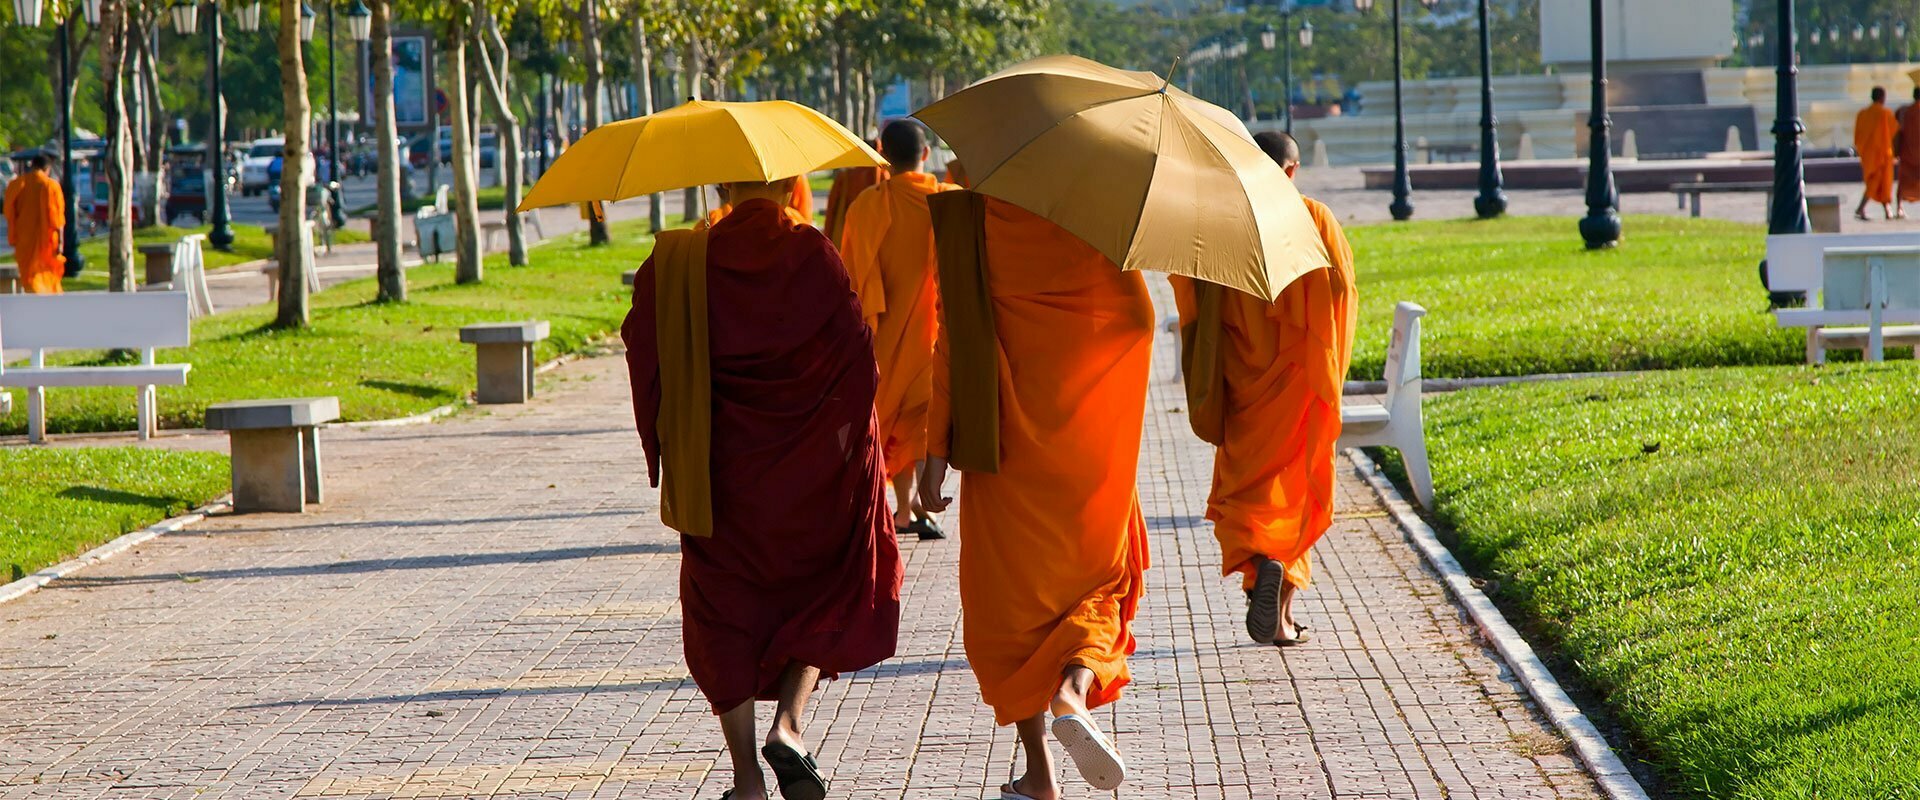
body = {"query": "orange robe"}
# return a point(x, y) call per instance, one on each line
point(1873, 133)
point(1284, 366)
point(1907, 152)
point(888, 248)
point(36, 214)
point(713, 217)
point(848, 184)
point(1053, 545)
point(802, 200)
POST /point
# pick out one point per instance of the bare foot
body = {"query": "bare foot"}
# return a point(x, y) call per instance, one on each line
point(1040, 788)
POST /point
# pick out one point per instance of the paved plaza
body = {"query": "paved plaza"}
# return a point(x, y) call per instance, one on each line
point(485, 608)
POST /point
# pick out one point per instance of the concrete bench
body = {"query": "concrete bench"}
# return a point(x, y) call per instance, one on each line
point(1397, 422)
point(1869, 300)
point(142, 321)
point(9, 279)
point(276, 450)
point(626, 278)
point(504, 359)
point(1683, 193)
point(498, 227)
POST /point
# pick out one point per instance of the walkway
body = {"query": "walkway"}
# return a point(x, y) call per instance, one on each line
point(485, 608)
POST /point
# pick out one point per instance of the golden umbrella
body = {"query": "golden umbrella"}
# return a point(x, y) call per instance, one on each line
point(1149, 175)
point(698, 143)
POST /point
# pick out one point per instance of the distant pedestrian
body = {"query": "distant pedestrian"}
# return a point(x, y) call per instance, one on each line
point(1907, 152)
point(1874, 130)
point(36, 212)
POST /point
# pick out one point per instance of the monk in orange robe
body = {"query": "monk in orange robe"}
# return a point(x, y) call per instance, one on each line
point(848, 183)
point(888, 247)
point(1907, 152)
point(1039, 395)
point(1264, 382)
point(1873, 134)
point(753, 386)
point(36, 219)
point(802, 200)
point(789, 207)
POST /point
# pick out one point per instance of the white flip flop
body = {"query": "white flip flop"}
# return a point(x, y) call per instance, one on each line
point(1092, 754)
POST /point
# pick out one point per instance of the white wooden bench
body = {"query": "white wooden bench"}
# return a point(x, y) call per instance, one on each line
point(1794, 260)
point(94, 321)
point(1397, 423)
point(1869, 300)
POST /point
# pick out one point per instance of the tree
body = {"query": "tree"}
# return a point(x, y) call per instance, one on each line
point(596, 82)
point(495, 72)
point(466, 198)
point(119, 155)
point(295, 247)
point(643, 75)
point(391, 276)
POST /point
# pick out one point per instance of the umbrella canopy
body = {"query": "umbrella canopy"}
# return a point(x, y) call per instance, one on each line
point(1149, 175)
point(698, 143)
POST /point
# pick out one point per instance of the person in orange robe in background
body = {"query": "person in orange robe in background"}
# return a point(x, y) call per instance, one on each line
point(847, 185)
point(789, 206)
point(789, 569)
point(1907, 153)
point(1039, 400)
point(1283, 365)
point(888, 247)
point(1873, 133)
point(802, 199)
point(36, 218)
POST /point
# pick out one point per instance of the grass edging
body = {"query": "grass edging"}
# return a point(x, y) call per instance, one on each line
point(1602, 763)
point(120, 544)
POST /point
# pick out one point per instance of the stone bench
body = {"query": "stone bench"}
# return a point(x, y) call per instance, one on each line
point(626, 278)
point(159, 261)
point(504, 359)
point(9, 279)
point(276, 452)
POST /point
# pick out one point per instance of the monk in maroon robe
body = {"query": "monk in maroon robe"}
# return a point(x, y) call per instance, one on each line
point(789, 569)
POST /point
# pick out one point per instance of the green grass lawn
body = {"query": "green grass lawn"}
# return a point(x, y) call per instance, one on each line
point(1519, 295)
point(1730, 558)
point(60, 502)
point(250, 243)
point(381, 360)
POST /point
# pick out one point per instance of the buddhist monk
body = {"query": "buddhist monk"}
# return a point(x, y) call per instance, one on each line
point(802, 200)
point(1907, 150)
point(36, 217)
point(753, 385)
point(789, 207)
point(1039, 393)
point(1873, 133)
point(1263, 385)
point(888, 247)
point(848, 183)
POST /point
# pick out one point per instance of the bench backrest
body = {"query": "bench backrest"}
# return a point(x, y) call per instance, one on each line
point(95, 321)
point(1847, 282)
point(1403, 351)
point(1794, 259)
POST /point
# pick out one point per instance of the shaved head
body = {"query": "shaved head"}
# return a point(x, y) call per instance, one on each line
point(904, 144)
point(1280, 147)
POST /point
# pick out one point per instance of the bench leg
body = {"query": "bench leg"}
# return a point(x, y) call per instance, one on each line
point(273, 286)
point(1816, 353)
point(1413, 454)
point(37, 415)
point(143, 412)
point(1695, 211)
point(503, 373)
point(269, 470)
point(310, 446)
point(530, 368)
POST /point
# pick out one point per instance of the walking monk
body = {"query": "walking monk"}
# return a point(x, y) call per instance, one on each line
point(36, 216)
point(848, 184)
point(790, 207)
point(753, 386)
point(1039, 393)
point(888, 247)
point(1873, 133)
point(1263, 385)
point(1906, 148)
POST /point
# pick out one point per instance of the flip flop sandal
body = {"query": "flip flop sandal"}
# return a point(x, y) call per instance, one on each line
point(927, 529)
point(1092, 754)
point(798, 775)
point(1008, 792)
point(1299, 638)
point(1263, 601)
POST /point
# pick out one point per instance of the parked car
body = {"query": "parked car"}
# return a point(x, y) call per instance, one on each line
point(254, 174)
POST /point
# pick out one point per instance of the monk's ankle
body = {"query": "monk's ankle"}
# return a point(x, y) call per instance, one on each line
point(1040, 787)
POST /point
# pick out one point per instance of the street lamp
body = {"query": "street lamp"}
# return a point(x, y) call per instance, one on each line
point(91, 10)
point(1789, 211)
point(360, 22)
point(1601, 226)
point(26, 13)
point(1492, 201)
point(306, 22)
point(186, 22)
point(248, 18)
point(1402, 206)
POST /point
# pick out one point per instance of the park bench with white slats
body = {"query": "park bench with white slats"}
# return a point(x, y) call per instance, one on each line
point(1869, 299)
point(141, 321)
point(1397, 422)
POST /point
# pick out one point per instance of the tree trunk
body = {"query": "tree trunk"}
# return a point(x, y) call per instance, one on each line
point(643, 58)
point(842, 85)
point(495, 72)
point(690, 86)
point(392, 277)
point(119, 156)
point(596, 80)
point(466, 200)
point(156, 105)
point(295, 247)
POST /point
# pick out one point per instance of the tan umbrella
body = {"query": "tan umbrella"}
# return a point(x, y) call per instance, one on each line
point(1149, 175)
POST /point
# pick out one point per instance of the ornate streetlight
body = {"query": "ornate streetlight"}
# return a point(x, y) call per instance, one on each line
point(1789, 211)
point(1492, 201)
point(27, 14)
point(186, 22)
point(1601, 226)
point(1402, 206)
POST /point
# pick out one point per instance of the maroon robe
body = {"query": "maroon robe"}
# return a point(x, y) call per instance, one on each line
point(802, 565)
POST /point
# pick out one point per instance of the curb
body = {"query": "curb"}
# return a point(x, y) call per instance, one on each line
point(1615, 780)
point(122, 543)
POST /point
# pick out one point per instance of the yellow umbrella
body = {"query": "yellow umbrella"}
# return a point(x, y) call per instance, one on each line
point(1149, 175)
point(698, 143)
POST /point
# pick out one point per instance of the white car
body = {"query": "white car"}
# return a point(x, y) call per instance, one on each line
point(254, 175)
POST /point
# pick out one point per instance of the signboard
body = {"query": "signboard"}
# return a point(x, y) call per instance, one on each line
point(413, 91)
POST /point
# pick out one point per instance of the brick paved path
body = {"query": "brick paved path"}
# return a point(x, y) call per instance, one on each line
point(485, 607)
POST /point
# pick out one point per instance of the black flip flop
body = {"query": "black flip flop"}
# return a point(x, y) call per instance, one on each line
point(927, 529)
point(798, 775)
point(1263, 601)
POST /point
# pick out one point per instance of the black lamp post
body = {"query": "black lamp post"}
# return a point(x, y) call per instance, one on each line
point(1789, 211)
point(186, 23)
point(1601, 226)
point(26, 13)
point(1402, 206)
point(1492, 201)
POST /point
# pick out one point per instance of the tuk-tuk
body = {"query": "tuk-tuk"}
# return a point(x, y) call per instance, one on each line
point(186, 182)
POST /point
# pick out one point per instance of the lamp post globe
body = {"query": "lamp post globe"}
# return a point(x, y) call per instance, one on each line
point(1363, 6)
point(91, 10)
point(248, 17)
point(1268, 38)
point(26, 13)
point(186, 17)
point(306, 22)
point(1306, 34)
point(360, 21)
